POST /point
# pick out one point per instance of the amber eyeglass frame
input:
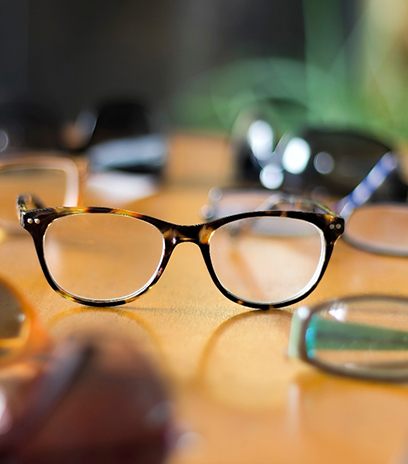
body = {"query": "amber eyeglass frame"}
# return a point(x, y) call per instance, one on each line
point(35, 218)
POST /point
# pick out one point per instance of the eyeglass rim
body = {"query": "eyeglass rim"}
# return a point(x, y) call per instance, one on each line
point(36, 221)
point(304, 315)
point(378, 250)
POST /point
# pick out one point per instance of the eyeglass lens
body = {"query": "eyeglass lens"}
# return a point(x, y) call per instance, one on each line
point(119, 255)
point(364, 336)
point(267, 259)
point(322, 162)
point(381, 228)
point(344, 159)
point(261, 259)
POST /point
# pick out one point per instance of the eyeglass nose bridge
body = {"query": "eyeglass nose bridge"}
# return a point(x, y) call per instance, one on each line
point(197, 233)
point(175, 234)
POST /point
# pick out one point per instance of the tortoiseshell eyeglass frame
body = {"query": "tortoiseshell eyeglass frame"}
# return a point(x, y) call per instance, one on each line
point(35, 218)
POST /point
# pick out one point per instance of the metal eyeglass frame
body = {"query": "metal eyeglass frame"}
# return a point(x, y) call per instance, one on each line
point(302, 318)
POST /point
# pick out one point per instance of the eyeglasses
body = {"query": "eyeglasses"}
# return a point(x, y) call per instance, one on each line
point(103, 256)
point(318, 161)
point(55, 177)
point(361, 336)
point(374, 227)
point(50, 397)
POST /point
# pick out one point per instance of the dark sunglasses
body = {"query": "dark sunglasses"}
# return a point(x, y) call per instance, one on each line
point(123, 134)
point(318, 161)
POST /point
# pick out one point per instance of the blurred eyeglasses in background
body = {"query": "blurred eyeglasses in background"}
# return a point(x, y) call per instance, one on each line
point(357, 336)
point(78, 399)
point(56, 178)
point(317, 161)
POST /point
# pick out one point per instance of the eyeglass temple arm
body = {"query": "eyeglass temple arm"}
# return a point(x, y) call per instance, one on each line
point(337, 335)
point(386, 165)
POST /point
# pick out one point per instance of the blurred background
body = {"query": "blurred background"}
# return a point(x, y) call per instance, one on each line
point(198, 63)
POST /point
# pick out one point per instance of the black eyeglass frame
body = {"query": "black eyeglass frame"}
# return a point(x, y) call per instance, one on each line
point(37, 219)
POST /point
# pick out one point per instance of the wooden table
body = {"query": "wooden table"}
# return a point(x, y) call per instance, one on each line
point(237, 396)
